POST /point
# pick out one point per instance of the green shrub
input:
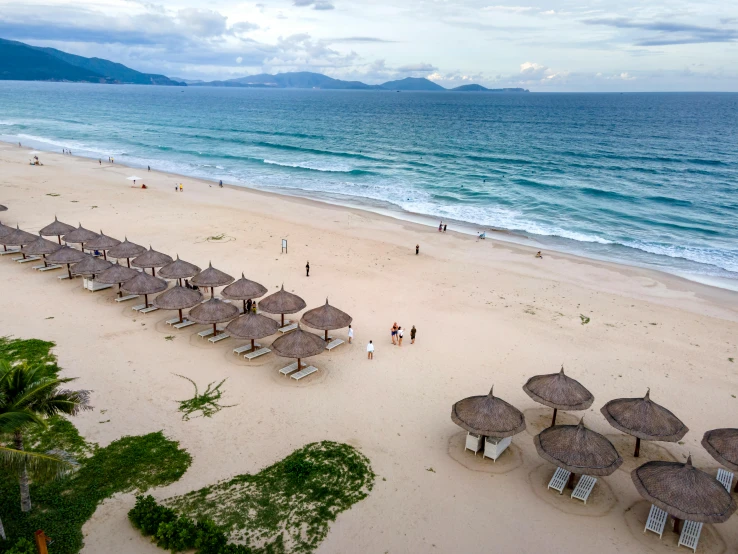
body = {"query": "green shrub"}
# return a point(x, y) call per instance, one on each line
point(23, 546)
point(178, 535)
point(147, 515)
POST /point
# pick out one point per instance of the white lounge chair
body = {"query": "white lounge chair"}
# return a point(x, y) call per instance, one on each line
point(11, 251)
point(206, 333)
point(287, 328)
point(304, 372)
point(219, 337)
point(172, 321)
point(27, 259)
point(493, 447)
point(473, 443)
point(49, 267)
point(64, 277)
point(559, 479)
point(185, 323)
point(690, 534)
point(148, 310)
point(245, 347)
point(256, 353)
point(126, 298)
point(656, 521)
point(726, 478)
point(288, 369)
point(584, 488)
point(334, 344)
point(139, 307)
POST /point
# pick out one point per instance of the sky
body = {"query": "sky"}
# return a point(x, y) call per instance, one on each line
point(557, 46)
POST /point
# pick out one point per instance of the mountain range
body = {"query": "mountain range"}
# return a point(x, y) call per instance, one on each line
point(23, 62)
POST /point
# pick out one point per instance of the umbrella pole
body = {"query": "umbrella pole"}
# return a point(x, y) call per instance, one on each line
point(638, 448)
point(105, 255)
point(59, 237)
point(22, 254)
point(283, 324)
point(212, 292)
point(180, 316)
point(677, 525)
point(146, 300)
point(153, 271)
point(326, 335)
point(120, 292)
point(553, 421)
point(215, 330)
point(299, 367)
point(69, 271)
point(570, 482)
point(45, 264)
point(736, 488)
point(244, 306)
point(129, 261)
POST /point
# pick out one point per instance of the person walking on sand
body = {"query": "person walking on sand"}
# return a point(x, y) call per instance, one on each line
point(399, 336)
point(412, 334)
point(539, 255)
point(417, 249)
point(180, 187)
point(444, 228)
point(176, 188)
point(307, 269)
point(370, 350)
point(221, 183)
point(149, 167)
point(350, 334)
point(394, 333)
point(440, 226)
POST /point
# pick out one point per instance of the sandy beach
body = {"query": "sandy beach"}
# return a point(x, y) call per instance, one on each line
point(487, 313)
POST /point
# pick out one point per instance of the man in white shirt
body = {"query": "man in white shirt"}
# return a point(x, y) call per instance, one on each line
point(370, 350)
point(350, 334)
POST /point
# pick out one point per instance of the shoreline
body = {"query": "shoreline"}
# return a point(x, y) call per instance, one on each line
point(504, 236)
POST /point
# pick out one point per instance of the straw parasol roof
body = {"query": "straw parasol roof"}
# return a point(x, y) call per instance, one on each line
point(282, 302)
point(722, 444)
point(578, 449)
point(151, 258)
point(488, 415)
point(298, 344)
point(3, 208)
point(244, 289)
point(684, 491)
point(178, 298)
point(17, 237)
point(66, 255)
point(211, 277)
point(213, 311)
point(80, 235)
point(56, 229)
point(40, 247)
point(644, 419)
point(90, 266)
point(326, 318)
point(179, 269)
point(126, 249)
point(252, 326)
point(102, 242)
point(145, 284)
point(116, 274)
point(4, 229)
point(558, 391)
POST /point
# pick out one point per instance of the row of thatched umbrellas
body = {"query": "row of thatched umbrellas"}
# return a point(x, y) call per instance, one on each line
point(298, 344)
point(680, 489)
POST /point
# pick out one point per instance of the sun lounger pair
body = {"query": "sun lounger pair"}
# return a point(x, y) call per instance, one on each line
point(27, 259)
point(304, 372)
point(7, 252)
point(219, 337)
point(287, 328)
point(691, 530)
point(49, 267)
point(256, 353)
point(183, 324)
point(581, 491)
point(245, 347)
point(126, 298)
point(334, 344)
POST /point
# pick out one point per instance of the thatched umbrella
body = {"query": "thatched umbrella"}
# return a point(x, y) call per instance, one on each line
point(644, 419)
point(722, 444)
point(488, 416)
point(298, 344)
point(151, 259)
point(684, 492)
point(578, 450)
point(104, 243)
point(178, 298)
point(251, 327)
point(213, 311)
point(4, 230)
point(179, 269)
point(56, 229)
point(558, 391)
point(117, 275)
point(127, 250)
point(80, 236)
point(244, 289)
point(212, 278)
point(17, 237)
point(66, 255)
point(326, 318)
point(282, 302)
point(90, 266)
point(40, 247)
point(145, 284)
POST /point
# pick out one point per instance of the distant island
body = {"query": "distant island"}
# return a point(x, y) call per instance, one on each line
point(23, 62)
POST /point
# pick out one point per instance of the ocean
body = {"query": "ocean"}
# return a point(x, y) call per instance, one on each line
point(644, 179)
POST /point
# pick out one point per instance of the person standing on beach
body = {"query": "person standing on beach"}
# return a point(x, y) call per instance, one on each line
point(370, 350)
point(307, 269)
point(417, 249)
point(180, 187)
point(399, 336)
point(350, 334)
point(149, 167)
point(221, 183)
point(394, 333)
point(444, 228)
point(412, 335)
point(440, 226)
point(248, 305)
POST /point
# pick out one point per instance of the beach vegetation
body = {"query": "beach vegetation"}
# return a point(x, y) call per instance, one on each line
point(584, 319)
point(221, 236)
point(205, 403)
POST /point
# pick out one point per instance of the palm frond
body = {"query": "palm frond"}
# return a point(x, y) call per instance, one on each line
point(43, 467)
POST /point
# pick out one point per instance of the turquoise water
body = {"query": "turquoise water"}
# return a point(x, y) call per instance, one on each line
point(648, 179)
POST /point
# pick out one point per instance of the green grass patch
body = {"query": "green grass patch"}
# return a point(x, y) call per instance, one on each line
point(584, 319)
point(217, 237)
point(52, 194)
point(61, 434)
point(33, 352)
point(205, 403)
point(288, 506)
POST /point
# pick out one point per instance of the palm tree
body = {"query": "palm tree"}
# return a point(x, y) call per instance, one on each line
point(29, 395)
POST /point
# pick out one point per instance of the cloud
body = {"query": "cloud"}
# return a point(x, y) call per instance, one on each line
point(532, 70)
point(316, 4)
point(510, 9)
point(239, 59)
point(417, 67)
point(361, 39)
point(668, 32)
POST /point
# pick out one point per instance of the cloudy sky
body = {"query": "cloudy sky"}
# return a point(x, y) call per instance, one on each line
point(558, 45)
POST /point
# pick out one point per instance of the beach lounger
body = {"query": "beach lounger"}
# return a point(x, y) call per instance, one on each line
point(493, 448)
point(690, 534)
point(245, 347)
point(126, 298)
point(184, 324)
point(139, 307)
point(205, 334)
point(726, 478)
point(148, 310)
point(559, 480)
point(287, 328)
point(334, 344)
point(288, 369)
point(584, 488)
point(172, 321)
point(63, 277)
point(256, 353)
point(473, 443)
point(656, 521)
point(27, 259)
point(94, 286)
point(219, 337)
point(49, 267)
point(304, 372)
point(6, 252)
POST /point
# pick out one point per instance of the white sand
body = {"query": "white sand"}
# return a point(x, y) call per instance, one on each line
point(486, 312)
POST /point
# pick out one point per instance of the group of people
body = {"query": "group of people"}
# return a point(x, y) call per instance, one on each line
point(397, 334)
point(441, 227)
point(65, 151)
point(178, 187)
